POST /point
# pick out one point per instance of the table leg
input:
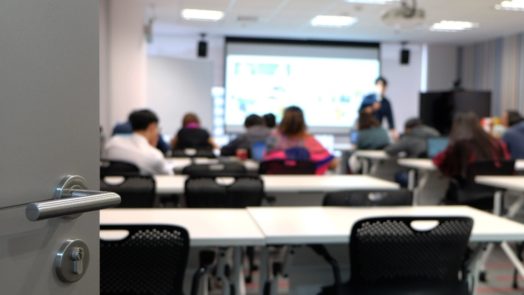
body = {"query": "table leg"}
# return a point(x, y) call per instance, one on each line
point(264, 268)
point(238, 274)
point(497, 203)
point(513, 257)
point(365, 166)
point(515, 207)
point(411, 179)
point(221, 267)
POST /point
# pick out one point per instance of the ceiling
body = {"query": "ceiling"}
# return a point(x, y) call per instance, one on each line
point(290, 19)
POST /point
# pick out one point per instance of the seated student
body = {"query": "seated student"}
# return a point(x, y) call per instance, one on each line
point(291, 141)
point(514, 135)
point(138, 148)
point(371, 136)
point(256, 131)
point(270, 120)
point(468, 143)
point(125, 128)
point(414, 140)
point(191, 135)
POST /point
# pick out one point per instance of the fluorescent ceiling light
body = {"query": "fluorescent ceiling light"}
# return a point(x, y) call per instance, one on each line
point(381, 2)
point(511, 5)
point(333, 21)
point(203, 15)
point(452, 26)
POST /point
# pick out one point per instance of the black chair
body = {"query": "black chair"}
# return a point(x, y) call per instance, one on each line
point(389, 255)
point(239, 192)
point(112, 168)
point(369, 198)
point(282, 167)
point(152, 259)
point(466, 192)
point(193, 153)
point(136, 191)
point(214, 170)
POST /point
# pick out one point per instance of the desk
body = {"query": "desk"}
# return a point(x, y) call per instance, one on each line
point(174, 184)
point(318, 225)
point(178, 164)
point(207, 228)
point(431, 186)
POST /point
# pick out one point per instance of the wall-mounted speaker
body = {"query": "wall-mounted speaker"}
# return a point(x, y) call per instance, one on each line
point(404, 56)
point(202, 48)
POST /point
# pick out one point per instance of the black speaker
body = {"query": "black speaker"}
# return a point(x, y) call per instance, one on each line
point(202, 48)
point(404, 56)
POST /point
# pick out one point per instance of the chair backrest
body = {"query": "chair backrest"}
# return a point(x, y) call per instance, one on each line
point(369, 198)
point(213, 170)
point(152, 259)
point(136, 191)
point(293, 167)
point(193, 153)
point(109, 168)
point(238, 192)
point(393, 250)
point(467, 191)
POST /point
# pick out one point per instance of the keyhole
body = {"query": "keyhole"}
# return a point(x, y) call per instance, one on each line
point(77, 255)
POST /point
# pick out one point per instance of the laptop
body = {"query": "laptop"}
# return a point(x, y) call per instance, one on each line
point(435, 145)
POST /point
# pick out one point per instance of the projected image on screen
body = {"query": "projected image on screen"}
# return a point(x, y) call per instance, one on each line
point(329, 90)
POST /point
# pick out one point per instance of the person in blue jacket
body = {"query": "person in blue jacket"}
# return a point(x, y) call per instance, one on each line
point(380, 106)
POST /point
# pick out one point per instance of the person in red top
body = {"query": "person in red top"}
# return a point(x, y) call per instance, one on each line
point(468, 143)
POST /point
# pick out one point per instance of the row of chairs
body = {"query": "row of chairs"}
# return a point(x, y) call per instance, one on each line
point(388, 256)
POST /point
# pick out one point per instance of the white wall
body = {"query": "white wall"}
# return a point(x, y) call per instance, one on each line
point(127, 59)
point(404, 80)
point(441, 67)
point(177, 86)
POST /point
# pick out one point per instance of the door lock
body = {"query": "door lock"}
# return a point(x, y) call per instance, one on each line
point(71, 261)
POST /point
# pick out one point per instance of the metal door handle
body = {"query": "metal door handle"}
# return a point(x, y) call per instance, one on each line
point(71, 197)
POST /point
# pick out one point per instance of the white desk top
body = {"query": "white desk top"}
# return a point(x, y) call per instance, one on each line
point(207, 227)
point(304, 225)
point(344, 147)
point(372, 154)
point(515, 183)
point(419, 164)
point(427, 164)
point(166, 184)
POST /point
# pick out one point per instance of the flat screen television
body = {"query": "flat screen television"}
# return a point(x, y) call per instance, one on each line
point(437, 109)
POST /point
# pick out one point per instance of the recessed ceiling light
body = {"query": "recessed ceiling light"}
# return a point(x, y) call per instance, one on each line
point(381, 2)
point(452, 26)
point(511, 5)
point(202, 15)
point(333, 21)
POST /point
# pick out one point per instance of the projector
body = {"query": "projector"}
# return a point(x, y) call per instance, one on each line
point(407, 16)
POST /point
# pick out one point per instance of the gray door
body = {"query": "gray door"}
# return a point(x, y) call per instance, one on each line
point(48, 128)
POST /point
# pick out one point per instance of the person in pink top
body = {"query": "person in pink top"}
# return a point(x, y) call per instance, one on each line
point(291, 141)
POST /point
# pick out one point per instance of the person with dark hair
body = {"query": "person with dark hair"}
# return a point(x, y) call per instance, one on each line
point(371, 136)
point(125, 128)
point(468, 143)
point(514, 135)
point(413, 143)
point(291, 141)
point(380, 106)
point(192, 135)
point(138, 148)
point(256, 131)
point(270, 120)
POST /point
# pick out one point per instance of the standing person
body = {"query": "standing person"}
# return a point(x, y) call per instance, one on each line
point(514, 135)
point(291, 141)
point(138, 148)
point(192, 135)
point(380, 106)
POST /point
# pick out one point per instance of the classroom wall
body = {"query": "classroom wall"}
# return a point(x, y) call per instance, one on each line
point(126, 69)
point(440, 69)
point(498, 66)
point(404, 80)
point(176, 86)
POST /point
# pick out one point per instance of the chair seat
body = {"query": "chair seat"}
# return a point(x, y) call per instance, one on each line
point(407, 289)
